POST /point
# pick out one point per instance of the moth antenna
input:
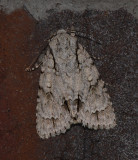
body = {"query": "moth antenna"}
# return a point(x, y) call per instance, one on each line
point(82, 35)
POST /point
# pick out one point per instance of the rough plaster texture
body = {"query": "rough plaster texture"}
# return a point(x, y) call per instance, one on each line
point(41, 9)
point(20, 40)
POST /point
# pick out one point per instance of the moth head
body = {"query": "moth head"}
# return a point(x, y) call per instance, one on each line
point(61, 31)
point(71, 31)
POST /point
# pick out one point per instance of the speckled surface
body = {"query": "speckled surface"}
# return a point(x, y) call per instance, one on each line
point(41, 9)
point(20, 40)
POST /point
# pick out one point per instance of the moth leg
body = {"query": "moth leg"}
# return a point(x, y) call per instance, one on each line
point(30, 67)
point(36, 63)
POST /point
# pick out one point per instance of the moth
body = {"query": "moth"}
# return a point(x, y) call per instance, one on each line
point(70, 90)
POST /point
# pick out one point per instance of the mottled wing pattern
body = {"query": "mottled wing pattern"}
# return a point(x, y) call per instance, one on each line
point(52, 117)
point(96, 111)
point(70, 90)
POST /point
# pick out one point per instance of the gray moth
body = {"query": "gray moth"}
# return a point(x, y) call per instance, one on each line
point(70, 90)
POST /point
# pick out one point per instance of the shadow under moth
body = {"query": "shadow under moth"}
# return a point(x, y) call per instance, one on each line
point(70, 90)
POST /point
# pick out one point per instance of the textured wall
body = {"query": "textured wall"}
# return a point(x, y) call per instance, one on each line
point(42, 8)
point(20, 38)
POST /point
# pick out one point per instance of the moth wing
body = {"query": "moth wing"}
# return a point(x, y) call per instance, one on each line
point(52, 118)
point(96, 109)
point(97, 112)
point(98, 120)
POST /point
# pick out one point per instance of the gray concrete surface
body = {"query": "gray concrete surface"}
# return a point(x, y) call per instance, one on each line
point(40, 9)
